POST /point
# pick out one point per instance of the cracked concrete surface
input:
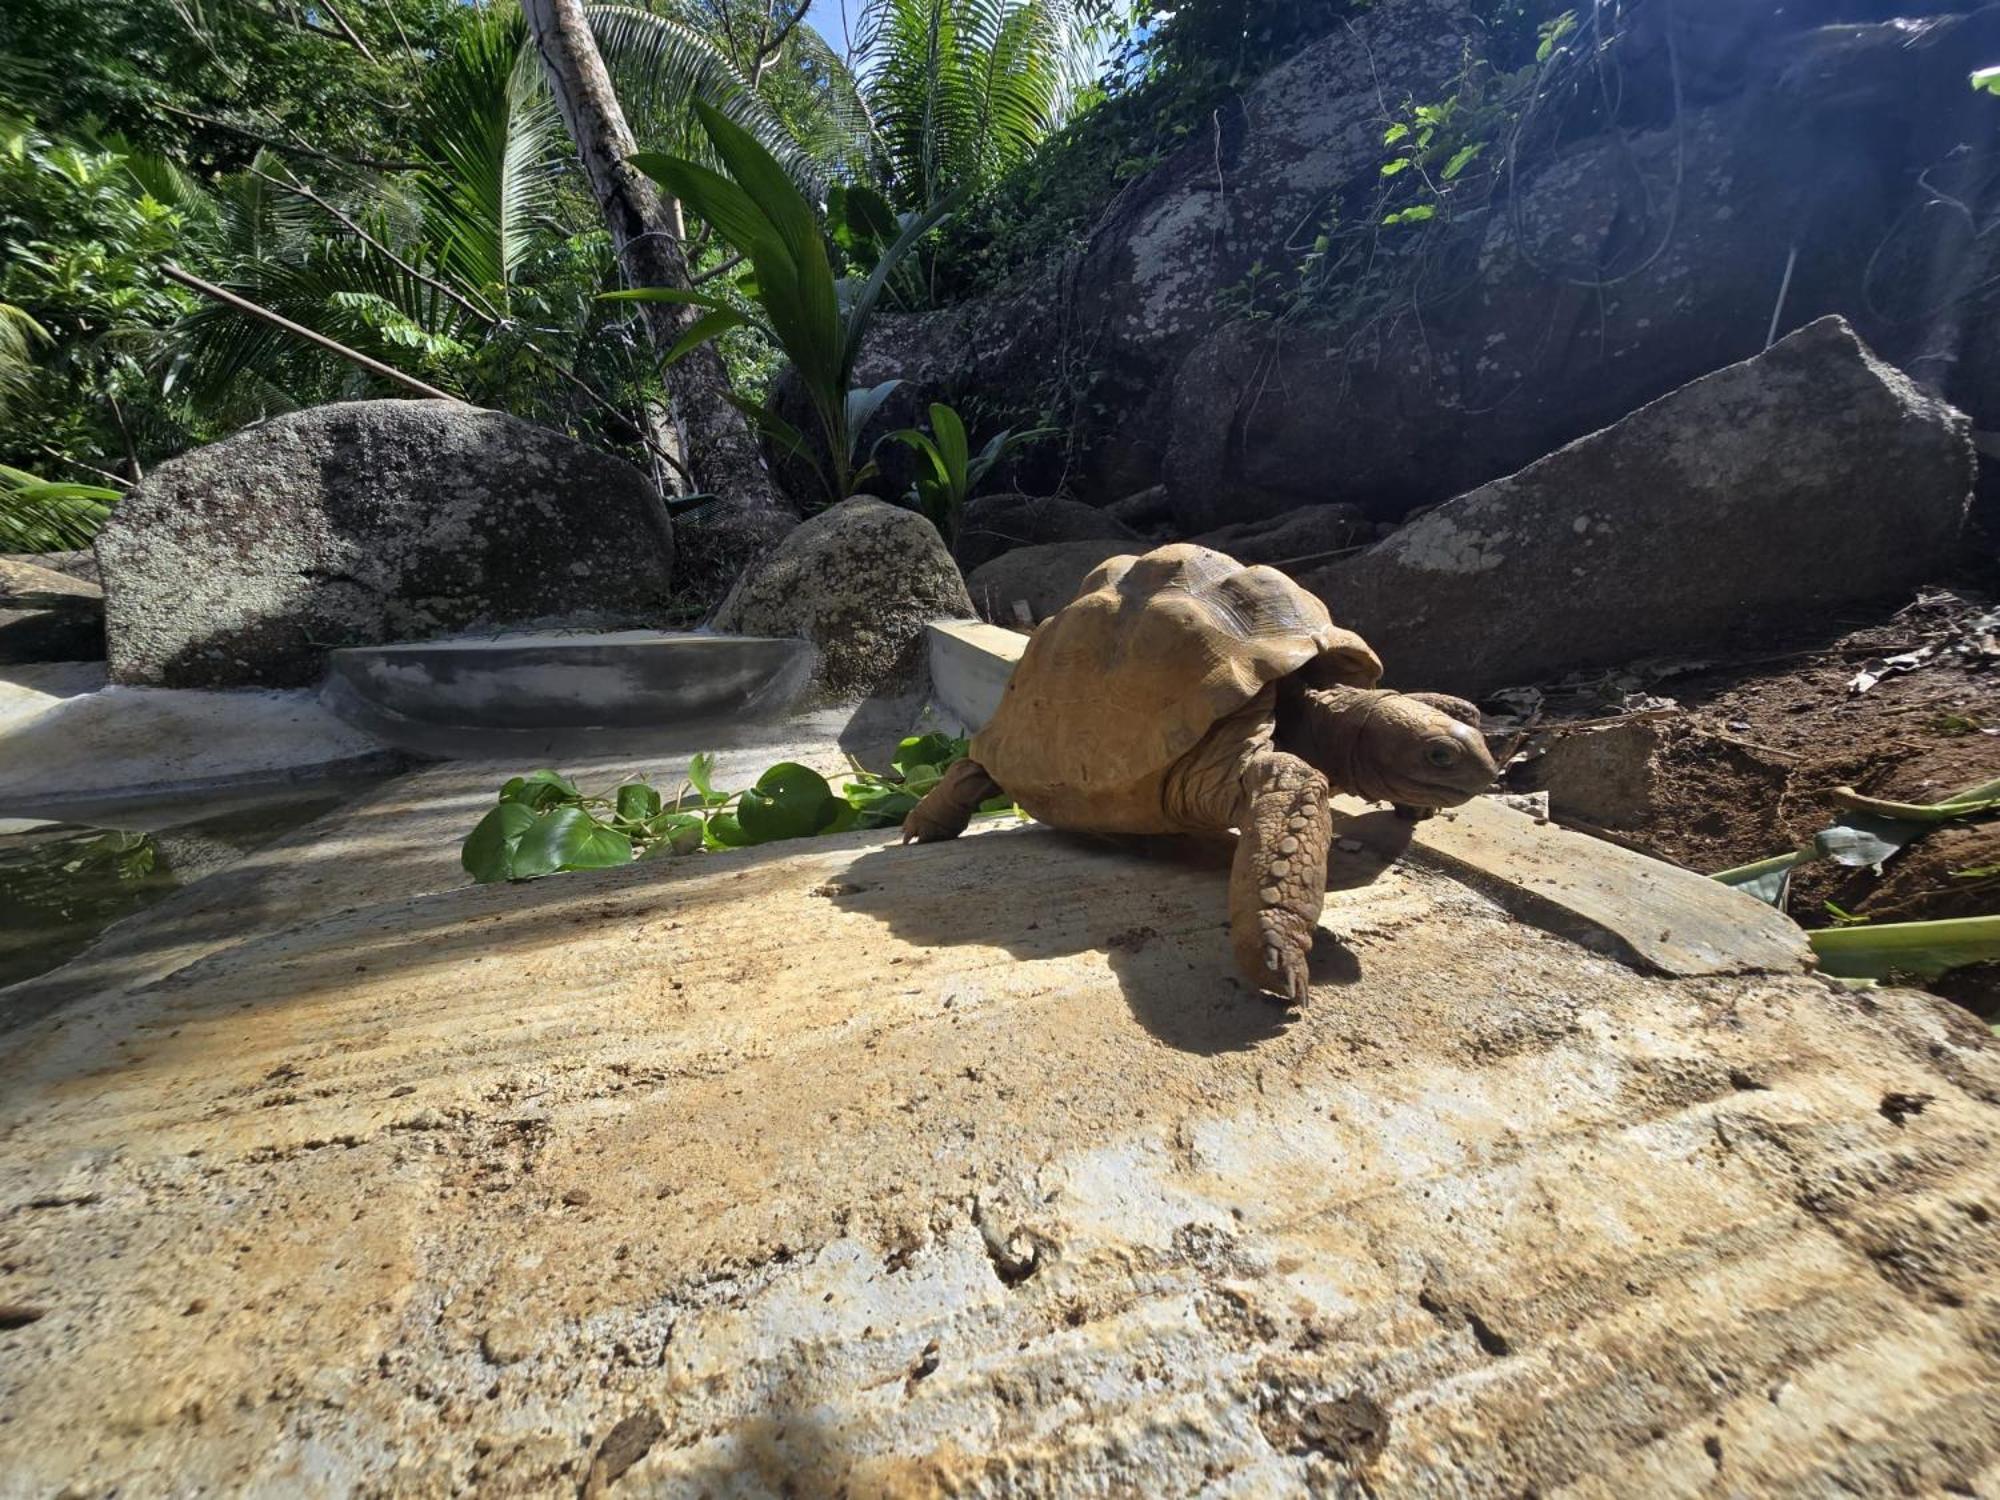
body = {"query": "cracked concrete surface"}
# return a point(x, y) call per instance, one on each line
point(972, 1169)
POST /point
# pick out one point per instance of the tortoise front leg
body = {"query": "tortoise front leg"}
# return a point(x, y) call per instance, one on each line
point(949, 806)
point(1278, 882)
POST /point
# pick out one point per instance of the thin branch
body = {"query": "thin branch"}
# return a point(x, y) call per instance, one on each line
point(483, 313)
point(769, 50)
point(353, 356)
point(347, 31)
point(293, 144)
point(709, 275)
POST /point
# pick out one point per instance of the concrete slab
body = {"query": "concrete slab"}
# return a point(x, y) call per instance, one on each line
point(973, 1169)
point(1667, 919)
point(394, 840)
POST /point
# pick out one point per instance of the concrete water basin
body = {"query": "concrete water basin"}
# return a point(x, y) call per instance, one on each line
point(620, 680)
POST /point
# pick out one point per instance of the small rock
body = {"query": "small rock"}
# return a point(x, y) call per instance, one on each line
point(577, 1197)
point(506, 1341)
point(860, 580)
point(623, 1446)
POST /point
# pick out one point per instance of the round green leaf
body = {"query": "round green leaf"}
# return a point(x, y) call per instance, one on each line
point(540, 789)
point(488, 854)
point(675, 833)
point(936, 750)
point(638, 802)
point(723, 832)
point(789, 801)
point(569, 839)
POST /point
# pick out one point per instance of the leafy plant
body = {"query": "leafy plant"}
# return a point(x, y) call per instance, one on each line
point(797, 302)
point(962, 90)
point(949, 470)
point(1871, 832)
point(1925, 949)
point(37, 515)
point(544, 823)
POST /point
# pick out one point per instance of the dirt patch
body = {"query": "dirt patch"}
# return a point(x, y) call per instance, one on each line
point(1717, 763)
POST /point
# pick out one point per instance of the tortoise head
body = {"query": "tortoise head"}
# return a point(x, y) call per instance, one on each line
point(1419, 750)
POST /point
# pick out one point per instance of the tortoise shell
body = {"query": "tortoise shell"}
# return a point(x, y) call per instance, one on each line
point(1152, 655)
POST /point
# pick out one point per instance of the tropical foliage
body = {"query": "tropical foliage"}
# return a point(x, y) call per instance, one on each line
point(394, 177)
point(795, 300)
point(948, 471)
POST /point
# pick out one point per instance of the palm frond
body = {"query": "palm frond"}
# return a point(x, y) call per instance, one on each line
point(962, 90)
point(489, 132)
point(39, 516)
point(19, 334)
point(662, 65)
point(342, 288)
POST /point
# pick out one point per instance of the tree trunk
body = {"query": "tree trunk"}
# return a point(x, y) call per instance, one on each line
point(747, 515)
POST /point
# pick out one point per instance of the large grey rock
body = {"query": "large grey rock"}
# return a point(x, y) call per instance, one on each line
point(1808, 476)
point(245, 561)
point(1609, 268)
point(1043, 579)
point(994, 524)
point(860, 581)
point(1156, 269)
point(48, 616)
point(1300, 538)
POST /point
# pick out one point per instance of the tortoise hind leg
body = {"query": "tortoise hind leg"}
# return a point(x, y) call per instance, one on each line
point(1278, 882)
point(949, 805)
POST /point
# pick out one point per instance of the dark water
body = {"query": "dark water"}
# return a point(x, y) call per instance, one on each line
point(61, 884)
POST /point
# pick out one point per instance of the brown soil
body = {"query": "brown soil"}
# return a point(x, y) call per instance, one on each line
point(1752, 748)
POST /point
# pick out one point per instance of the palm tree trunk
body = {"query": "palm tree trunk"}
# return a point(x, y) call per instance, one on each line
point(747, 515)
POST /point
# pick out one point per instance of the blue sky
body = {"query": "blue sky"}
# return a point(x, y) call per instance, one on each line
point(825, 14)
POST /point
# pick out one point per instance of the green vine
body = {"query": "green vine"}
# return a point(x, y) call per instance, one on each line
point(544, 823)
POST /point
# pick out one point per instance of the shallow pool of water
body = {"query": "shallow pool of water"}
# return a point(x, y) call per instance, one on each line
point(62, 884)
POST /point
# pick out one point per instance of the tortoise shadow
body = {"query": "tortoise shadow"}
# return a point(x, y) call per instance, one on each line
point(1176, 971)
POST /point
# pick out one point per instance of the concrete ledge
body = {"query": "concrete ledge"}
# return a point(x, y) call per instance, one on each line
point(970, 664)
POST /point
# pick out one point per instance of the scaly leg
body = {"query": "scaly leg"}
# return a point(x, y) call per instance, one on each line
point(949, 806)
point(1278, 882)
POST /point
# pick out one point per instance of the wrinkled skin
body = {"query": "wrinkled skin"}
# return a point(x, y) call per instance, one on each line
point(1419, 751)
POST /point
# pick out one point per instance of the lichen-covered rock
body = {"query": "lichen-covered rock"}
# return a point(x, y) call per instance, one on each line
point(1041, 579)
point(1811, 475)
point(371, 521)
point(994, 524)
point(860, 581)
point(48, 616)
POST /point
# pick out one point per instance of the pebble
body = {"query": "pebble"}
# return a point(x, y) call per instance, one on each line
point(1349, 846)
point(505, 1341)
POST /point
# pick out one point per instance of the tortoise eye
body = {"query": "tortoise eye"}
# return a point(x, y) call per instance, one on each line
point(1442, 753)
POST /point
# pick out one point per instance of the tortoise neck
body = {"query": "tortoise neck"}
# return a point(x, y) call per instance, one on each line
point(1324, 727)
